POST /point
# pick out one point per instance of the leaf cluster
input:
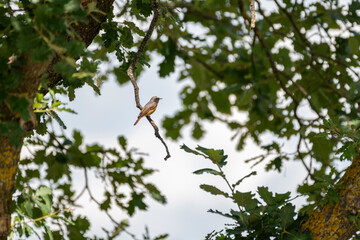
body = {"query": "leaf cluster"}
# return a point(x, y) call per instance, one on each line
point(56, 159)
point(264, 215)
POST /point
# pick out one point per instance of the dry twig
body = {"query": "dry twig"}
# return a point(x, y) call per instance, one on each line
point(130, 71)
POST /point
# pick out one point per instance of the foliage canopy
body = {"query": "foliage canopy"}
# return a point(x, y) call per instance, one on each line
point(295, 75)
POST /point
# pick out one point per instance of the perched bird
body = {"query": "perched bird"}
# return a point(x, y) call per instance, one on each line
point(149, 108)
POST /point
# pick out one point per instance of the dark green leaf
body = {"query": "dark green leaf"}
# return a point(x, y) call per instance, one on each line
point(287, 213)
point(207, 170)
point(243, 178)
point(213, 190)
point(245, 199)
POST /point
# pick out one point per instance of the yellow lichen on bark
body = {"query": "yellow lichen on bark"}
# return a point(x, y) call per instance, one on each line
point(6, 156)
point(7, 175)
point(9, 158)
point(331, 221)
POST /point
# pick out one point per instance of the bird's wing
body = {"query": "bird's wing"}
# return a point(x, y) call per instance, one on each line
point(148, 108)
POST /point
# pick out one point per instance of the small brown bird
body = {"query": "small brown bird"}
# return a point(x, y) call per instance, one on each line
point(149, 108)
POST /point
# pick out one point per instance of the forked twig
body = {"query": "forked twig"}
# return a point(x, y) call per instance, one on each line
point(130, 71)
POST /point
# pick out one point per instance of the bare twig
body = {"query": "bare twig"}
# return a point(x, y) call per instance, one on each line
point(98, 203)
point(130, 71)
point(308, 169)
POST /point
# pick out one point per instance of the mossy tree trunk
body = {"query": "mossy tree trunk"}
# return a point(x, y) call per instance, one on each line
point(9, 159)
point(32, 72)
point(333, 220)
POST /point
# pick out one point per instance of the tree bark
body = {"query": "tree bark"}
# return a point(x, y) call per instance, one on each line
point(331, 221)
point(9, 158)
point(9, 154)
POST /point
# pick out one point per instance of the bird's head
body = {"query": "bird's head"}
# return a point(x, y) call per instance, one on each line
point(155, 99)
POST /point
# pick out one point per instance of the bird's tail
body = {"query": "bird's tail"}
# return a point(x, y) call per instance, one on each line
point(137, 120)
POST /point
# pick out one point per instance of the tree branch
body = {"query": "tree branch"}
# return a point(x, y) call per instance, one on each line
point(130, 71)
point(112, 219)
point(273, 64)
point(86, 31)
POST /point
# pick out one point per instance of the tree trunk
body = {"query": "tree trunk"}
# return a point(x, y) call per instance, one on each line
point(331, 221)
point(9, 158)
point(9, 154)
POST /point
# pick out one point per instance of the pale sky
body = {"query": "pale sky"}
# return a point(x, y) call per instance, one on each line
point(102, 118)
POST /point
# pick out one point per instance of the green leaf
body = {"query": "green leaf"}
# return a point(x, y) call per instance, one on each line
point(189, 150)
point(121, 75)
point(169, 53)
point(126, 37)
point(245, 199)
point(347, 151)
point(287, 213)
point(71, 93)
point(353, 45)
point(155, 193)
point(20, 105)
point(275, 163)
point(136, 201)
point(243, 178)
point(221, 101)
point(322, 147)
point(78, 138)
point(197, 131)
point(29, 208)
point(216, 156)
point(207, 170)
point(49, 232)
point(266, 195)
point(162, 236)
point(55, 116)
point(213, 190)
point(43, 198)
point(134, 28)
point(143, 6)
point(122, 142)
point(199, 75)
point(105, 204)
point(41, 54)
point(55, 104)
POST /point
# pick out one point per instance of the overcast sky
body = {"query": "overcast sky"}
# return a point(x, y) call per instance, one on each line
point(103, 118)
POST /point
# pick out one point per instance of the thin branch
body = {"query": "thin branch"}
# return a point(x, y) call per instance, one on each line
point(268, 53)
point(190, 9)
point(98, 203)
point(211, 69)
point(303, 38)
point(308, 169)
point(44, 217)
point(273, 64)
point(124, 8)
point(80, 194)
point(130, 71)
point(309, 50)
